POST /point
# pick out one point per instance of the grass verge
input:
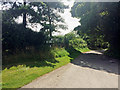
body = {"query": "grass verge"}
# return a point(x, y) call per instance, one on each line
point(18, 74)
point(83, 49)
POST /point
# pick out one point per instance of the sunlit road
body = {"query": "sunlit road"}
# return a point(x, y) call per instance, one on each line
point(89, 70)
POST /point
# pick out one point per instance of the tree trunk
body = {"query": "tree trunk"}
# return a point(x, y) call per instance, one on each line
point(24, 16)
point(49, 22)
point(50, 29)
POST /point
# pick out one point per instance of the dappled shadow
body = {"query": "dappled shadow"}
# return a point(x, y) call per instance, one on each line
point(31, 64)
point(98, 62)
point(40, 57)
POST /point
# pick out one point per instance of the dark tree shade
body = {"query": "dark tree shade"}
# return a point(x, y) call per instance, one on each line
point(99, 23)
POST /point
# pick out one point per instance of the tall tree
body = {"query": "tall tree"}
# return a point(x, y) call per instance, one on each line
point(59, 7)
point(35, 12)
point(99, 21)
point(50, 14)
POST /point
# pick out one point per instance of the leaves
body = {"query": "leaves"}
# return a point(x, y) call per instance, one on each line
point(99, 22)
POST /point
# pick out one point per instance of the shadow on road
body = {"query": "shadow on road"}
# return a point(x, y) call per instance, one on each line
point(97, 61)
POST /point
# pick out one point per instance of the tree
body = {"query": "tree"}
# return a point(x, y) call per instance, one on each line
point(24, 15)
point(35, 12)
point(99, 21)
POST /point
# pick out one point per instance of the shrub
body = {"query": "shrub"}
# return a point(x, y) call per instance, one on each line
point(78, 43)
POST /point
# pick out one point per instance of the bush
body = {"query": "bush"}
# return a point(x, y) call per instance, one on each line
point(44, 53)
point(59, 52)
point(78, 43)
point(16, 37)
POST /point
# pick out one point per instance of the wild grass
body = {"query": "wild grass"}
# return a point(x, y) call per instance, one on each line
point(17, 76)
point(25, 67)
point(83, 49)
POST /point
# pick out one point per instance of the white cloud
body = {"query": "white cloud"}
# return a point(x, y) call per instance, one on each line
point(69, 20)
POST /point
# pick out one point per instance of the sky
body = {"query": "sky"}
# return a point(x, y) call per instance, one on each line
point(69, 20)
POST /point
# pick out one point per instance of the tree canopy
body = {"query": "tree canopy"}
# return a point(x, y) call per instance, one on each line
point(99, 23)
point(18, 35)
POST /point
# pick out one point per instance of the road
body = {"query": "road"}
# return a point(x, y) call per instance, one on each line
point(89, 70)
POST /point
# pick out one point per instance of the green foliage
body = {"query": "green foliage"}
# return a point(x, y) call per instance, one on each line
point(58, 40)
point(17, 37)
point(78, 43)
point(104, 13)
point(47, 15)
point(99, 22)
point(38, 54)
point(68, 37)
point(75, 41)
point(59, 52)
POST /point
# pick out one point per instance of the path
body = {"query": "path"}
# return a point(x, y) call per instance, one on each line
point(89, 70)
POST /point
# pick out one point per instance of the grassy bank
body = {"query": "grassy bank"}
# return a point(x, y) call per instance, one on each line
point(83, 49)
point(28, 67)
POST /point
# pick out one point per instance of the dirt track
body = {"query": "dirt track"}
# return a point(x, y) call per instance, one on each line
point(89, 70)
